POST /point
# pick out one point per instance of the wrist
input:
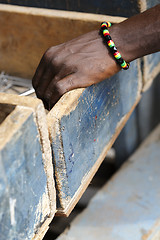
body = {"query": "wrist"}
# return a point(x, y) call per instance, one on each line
point(119, 36)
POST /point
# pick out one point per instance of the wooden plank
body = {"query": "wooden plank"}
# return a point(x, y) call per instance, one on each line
point(27, 192)
point(150, 64)
point(151, 3)
point(106, 99)
point(83, 126)
point(42, 26)
point(127, 207)
point(114, 7)
point(27, 32)
point(137, 129)
point(150, 69)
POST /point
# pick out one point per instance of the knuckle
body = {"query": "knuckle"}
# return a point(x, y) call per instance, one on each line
point(55, 60)
point(48, 55)
point(59, 88)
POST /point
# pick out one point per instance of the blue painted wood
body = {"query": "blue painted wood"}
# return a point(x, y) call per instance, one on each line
point(150, 68)
point(152, 3)
point(127, 207)
point(125, 8)
point(84, 132)
point(142, 121)
point(24, 197)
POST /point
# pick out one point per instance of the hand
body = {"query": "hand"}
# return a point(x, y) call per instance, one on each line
point(78, 63)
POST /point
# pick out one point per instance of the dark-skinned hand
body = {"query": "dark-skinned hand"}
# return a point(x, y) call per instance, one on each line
point(78, 63)
point(86, 60)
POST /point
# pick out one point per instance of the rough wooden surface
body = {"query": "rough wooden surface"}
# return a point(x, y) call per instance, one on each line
point(150, 69)
point(142, 121)
point(27, 191)
point(83, 125)
point(114, 7)
point(31, 31)
point(27, 32)
point(150, 64)
point(127, 207)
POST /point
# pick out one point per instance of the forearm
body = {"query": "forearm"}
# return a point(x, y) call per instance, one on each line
point(138, 35)
point(86, 60)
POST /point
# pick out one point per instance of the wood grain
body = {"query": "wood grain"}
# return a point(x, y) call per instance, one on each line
point(82, 125)
point(27, 192)
point(114, 7)
point(127, 206)
point(150, 69)
point(27, 32)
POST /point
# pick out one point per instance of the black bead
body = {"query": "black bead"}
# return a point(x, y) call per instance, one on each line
point(113, 49)
point(127, 66)
point(107, 37)
point(104, 27)
point(120, 60)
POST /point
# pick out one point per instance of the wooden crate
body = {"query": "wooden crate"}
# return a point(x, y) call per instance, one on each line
point(85, 122)
point(27, 192)
point(115, 7)
point(127, 206)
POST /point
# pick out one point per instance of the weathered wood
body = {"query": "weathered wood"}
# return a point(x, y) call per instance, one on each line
point(142, 121)
point(83, 126)
point(150, 64)
point(27, 32)
point(151, 3)
point(41, 30)
point(84, 123)
point(150, 69)
point(114, 7)
point(127, 207)
point(27, 193)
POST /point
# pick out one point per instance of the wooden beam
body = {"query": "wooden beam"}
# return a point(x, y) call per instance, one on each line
point(127, 207)
point(114, 7)
point(83, 126)
point(27, 192)
point(27, 32)
point(85, 122)
point(150, 64)
point(150, 69)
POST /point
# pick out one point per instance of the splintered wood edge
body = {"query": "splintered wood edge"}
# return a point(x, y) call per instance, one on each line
point(35, 106)
point(64, 106)
point(60, 14)
point(44, 228)
point(13, 99)
point(47, 155)
point(88, 177)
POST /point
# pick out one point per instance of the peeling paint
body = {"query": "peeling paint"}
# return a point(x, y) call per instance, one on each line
point(12, 205)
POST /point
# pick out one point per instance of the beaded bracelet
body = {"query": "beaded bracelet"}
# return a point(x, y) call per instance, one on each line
point(104, 29)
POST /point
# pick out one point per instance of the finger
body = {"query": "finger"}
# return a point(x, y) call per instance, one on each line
point(56, 90)
point(38, 74)
point(49, 78)
point(44, 81)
